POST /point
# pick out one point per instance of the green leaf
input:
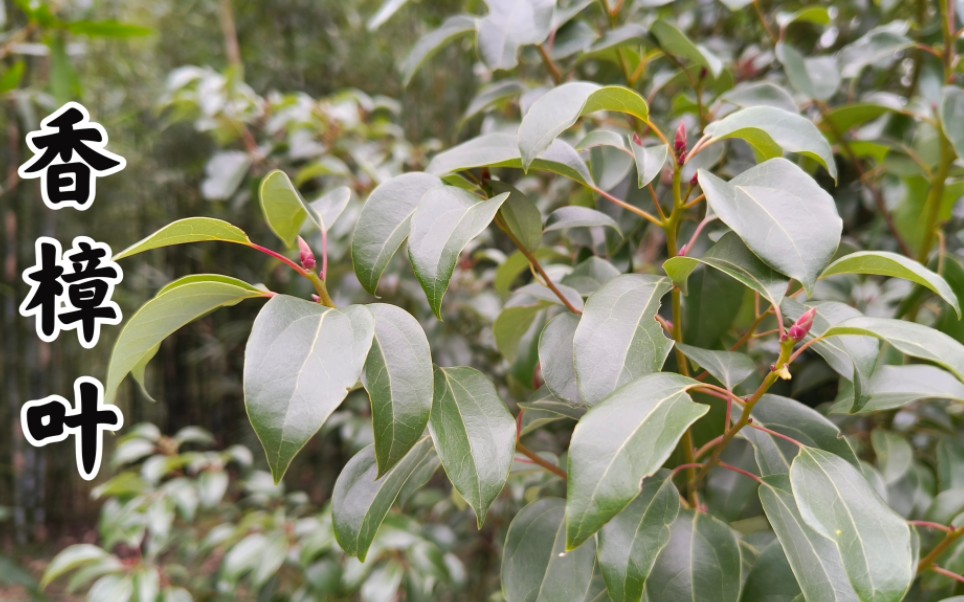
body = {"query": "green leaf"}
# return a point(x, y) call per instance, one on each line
point(559, 108)
point(878, 47)
point(511, 326)
point(912, 339)
point(11, 78)
point(574, 216)
point(326, 209)
point(556, 357)
point(630, 542)
point(511, 25)
point(71, 559)
point(816, 77)
point(649, 161)
point(299, 364)
point(384, 222)
point(701, 562)
point(361, 499)
point(781, 214)
point(728, 367)
point(874, 541)
point(771, 579)
point(188, 230)
point(895, 456)
point(492, 94)
point(174, 306)
point(952, 119)
point(893, 387)
point(108, 29)
point(730, 256)
point(398, 378)
point(429, 45)
point(817, 15)
point(544, 410)
point(535, 564)
point(842, 355)
point(620, 441)
point(521, 215)
point(675, 43)
point(770, 130)
point(815, 560)
point(883, 263)
point(590, 275)
point(446, 220)
point(384, 13)
point(474, 435)
point(284, 209)
point(752, 94)
point(618, 338)
point(502, 150)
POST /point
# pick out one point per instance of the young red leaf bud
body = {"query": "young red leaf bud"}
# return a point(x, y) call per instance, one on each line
point(637, 140)
point(694, 180)
point(802, 327)
point(307, 257)
point(679, 143)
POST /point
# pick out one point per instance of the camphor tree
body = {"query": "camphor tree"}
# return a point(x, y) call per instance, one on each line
point(710, 228)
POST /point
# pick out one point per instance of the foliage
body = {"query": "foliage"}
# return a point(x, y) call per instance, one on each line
point(736, 355)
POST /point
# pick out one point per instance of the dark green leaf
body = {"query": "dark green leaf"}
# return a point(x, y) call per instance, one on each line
point(728, 367)
point(675, 43)
point(556, 357)
point(771, 579)
point(521, 216)
point(429, 45)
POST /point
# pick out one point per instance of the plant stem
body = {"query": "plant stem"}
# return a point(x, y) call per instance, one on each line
point(935, 198)
point(537, 459)
point(621, 203)
point(309, 275)
point(947, 573)
point(939, 549)
point(554, 72)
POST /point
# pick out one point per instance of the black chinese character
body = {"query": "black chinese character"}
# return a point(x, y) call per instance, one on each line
point(52, 419)
point(84, 304)
point(68, 150)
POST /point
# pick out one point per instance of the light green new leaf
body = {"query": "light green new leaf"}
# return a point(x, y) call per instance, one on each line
point(728, 367)
point(910, 338)
point(429, 45)
point(284, 209)
point(446, 220)
point(630, 542)
point(730, 256)
point(502, 150)
point(299, 364)
point(952, 118)
point(556, 357)
point(771, 130)
point(815, 560)
point(836, 501)
point(701, 562)
point(511, 326)
point(559, 108)
point(361, 499)
point(618, 338)
point(188, 230)
point(535, 564)
point(398, 378)
point(675, 43)
point(383, 224)
point(781, 214)
point(649, 161)
point(521, 216)
point(623, 439)
point(474, 435)
point(884, 263)
point(178, 303)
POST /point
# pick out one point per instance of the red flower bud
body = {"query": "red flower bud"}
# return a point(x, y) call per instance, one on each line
point(679, 143)
point(307, 257)
point(802, 327)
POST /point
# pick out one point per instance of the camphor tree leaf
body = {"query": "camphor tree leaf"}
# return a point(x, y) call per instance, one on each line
point(620, 441)
point(649, 161)
point(384, 223)
point(509, 25)
point(429, 45)
point(893, 387)
point(879, 47)
point(915, 340)
point(535, 564)
point(815, 560)
point(574, 216)
point(845, 354)
point(178, 303)
point(398, 378)
point(474, 435)
point(502, 150)
point(521, 216)
point(630, 542)
point(874, 542)
point(770, 131)
point(446, 220)
point(730, 256)
point(884, 263)
point(361, 499)
point(675, 43)
point(751, 94)
point(299, 364)
point(952, 118)
point(188, 230)
point(700, 562)
point(818, 77)
point(284, 209)
point(771, 578)
point(326, 209)
point(781, 214)
point(728, 367)
point(556, 357)
point(618, 338)
point(559, 108)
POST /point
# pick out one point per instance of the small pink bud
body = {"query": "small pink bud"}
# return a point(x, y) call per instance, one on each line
point(307, 257)
point(637, 140)
point(694, 180)
point(679, 143)
point(802, 327)
point(316, 298)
